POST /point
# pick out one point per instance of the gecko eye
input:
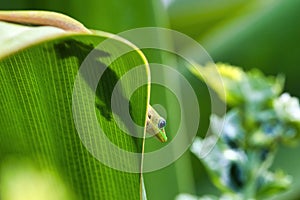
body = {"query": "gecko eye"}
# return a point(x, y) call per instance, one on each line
point(161, 123)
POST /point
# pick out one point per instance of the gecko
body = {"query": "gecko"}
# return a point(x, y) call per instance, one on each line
point(155, 124)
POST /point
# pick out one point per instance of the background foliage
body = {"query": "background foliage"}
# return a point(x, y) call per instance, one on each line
point(252, 34)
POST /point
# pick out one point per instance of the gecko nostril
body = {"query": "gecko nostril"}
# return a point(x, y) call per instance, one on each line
point(161, 123)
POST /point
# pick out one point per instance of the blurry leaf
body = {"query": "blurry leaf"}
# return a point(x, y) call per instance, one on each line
point(287, 108)
point(20, 179)
point(112, 16)
point(197, 17)
point(230, 77)
point(259, 88)
point(258, 123)
point(37, 80)
point(240, 86)
point(232, 132)
point(272, 183)
point(227, 167)
point(263, 35)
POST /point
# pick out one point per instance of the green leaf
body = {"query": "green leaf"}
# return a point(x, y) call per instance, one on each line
point(40, 143)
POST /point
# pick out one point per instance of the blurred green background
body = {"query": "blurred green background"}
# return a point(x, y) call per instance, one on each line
point(260, 34)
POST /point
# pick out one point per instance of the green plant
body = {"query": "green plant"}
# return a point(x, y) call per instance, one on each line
point(260, 119)
point(240, 32)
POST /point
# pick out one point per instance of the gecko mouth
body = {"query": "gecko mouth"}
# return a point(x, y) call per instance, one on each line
point(162, 135)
